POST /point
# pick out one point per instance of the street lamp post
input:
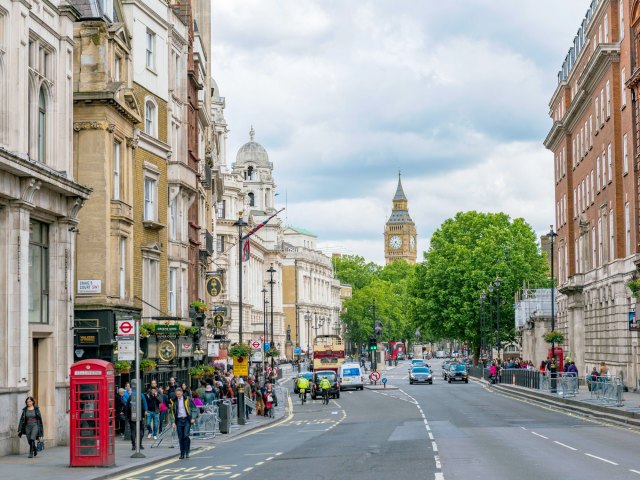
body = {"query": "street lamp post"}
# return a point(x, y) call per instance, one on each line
point(483, 339)
point(264, 325)
point(307, 320)
point(490, 288)
point(240, 223)
point(552, 235)
point(271, 283)
point(497, 283)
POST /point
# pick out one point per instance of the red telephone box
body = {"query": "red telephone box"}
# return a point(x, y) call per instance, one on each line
point(92, 429)
point(559, 357)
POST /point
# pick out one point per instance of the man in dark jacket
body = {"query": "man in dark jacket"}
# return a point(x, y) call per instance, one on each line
point(130, 413)
point(153, 412)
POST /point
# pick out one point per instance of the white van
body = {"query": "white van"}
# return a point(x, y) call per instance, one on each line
point(350, 376)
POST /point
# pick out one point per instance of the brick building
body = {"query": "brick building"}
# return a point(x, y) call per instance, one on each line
point(596, 192)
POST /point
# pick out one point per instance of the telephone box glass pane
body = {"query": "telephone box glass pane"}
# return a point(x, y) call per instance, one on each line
point(87, 399)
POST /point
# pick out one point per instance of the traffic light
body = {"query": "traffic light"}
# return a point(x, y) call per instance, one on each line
point(373, 345)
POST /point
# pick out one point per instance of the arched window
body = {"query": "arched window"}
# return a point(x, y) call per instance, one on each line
point(150, 118)
point(252, 200)
point(249, 175)
point(42, 126)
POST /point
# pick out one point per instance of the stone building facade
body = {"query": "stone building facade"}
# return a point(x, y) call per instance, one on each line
point(595, 169)
point(40, 199)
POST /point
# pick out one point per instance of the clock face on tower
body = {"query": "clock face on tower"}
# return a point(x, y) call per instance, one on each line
point(395, 242)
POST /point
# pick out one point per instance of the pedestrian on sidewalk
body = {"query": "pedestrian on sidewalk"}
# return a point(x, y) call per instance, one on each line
point(183, 415)
point(131, 412)
point(121, 408)
point(31, 425)
point(153, 413)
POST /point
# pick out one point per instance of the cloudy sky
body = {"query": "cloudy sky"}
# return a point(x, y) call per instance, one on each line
point(343, 93)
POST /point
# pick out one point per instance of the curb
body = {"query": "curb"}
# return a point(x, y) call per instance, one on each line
point(124, 470)
point(381, 387)
point(568, 405)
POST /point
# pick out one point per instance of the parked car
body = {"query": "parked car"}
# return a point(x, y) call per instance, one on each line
point(334, 391)
point(307, 375)
point(420, 375)
point(457, 372)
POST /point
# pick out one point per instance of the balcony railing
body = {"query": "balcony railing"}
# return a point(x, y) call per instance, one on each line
point(206, 245)
point(206, 177)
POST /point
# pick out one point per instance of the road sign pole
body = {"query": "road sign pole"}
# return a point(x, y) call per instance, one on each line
point(138, 391)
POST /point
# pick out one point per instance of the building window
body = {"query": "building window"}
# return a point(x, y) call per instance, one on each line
point(252, 200)
point(593, 247)
point(173, 295)
point(627, 229)
point(42, 126)
point(602, 107)
point(220, 244)
point(610, 162)
point(150, 195)
point(150, 53)
point(123, 268)
point(611, 236)
point(173, 218)
point(576, 256)
point(621, 18)
point(623, 88)
point(597, 110)
point(600, 243)
point(593, 190)
point(608, 90)
point(222, 207)
point(150, 286)
point(116, 170)
point(606, 29)
point(598, 173)
point(117, 65)
point(38, 272)
point(150, 118)
point(604, 168)
point(625, 155)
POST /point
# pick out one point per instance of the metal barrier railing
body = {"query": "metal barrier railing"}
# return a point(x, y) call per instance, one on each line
point(563, 384)
point(605, 390)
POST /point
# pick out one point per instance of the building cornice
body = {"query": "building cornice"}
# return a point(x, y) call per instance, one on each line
point(605, 55)
point(153, 145)
point(556, 93)
point(554, 135)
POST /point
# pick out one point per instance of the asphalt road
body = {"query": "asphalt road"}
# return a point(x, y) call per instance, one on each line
point(439, 431)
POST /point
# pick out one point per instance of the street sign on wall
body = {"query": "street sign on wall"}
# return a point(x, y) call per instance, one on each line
point(126, 349)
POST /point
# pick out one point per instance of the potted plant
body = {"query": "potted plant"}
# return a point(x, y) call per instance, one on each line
point(122, 366)
point(197, 371)
point(147, 365)
point(554, 337)
point(199, 306)
point(193, 330)
point(240, 350)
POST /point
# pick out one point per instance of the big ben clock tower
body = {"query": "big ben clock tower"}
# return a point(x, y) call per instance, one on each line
point(400, 240)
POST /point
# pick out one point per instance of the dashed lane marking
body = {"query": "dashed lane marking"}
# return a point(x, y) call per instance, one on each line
point(541, 436)
point(565, 446)
point(434, 445)
point(634, 471)
point(601, 459)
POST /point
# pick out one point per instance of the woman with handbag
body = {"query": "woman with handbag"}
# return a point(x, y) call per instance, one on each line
point(31, 425)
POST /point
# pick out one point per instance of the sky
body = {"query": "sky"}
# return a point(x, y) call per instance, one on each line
point(344, 93)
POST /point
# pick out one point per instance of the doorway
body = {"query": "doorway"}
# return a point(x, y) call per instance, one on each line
point(35, 368)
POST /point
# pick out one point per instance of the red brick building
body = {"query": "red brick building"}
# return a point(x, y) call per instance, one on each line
point(596, 190)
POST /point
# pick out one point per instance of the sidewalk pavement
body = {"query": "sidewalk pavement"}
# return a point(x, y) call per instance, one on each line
point(53, 463)
point(628, 414)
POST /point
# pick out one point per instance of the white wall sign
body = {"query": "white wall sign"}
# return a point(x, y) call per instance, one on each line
point(213, 349)
point(127, 349)
point(89, 286)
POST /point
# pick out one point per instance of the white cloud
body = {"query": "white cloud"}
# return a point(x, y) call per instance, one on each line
point(342, 94)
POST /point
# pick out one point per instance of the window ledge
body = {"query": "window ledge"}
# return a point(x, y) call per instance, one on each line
point(153, 225)
point(152, 71)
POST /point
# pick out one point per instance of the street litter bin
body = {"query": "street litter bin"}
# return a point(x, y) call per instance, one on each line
point(224, 413)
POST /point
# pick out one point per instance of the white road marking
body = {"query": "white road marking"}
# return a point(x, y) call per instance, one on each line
point(438, 464)
point(634, 471)
point(600, 458)
point(259, 463)
point(235, 476)
point(523, 428)
point(435, 446)
point(439, 476)
point(430, 436)
point(541, 436)
point(248, 469)
point(565, 446)
point(269, 458)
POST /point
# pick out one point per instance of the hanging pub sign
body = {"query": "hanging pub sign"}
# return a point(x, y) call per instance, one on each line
point(214, 285)
point(87, 339)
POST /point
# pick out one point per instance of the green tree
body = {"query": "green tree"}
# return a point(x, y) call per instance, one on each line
point(466, 253)
point(355, 271)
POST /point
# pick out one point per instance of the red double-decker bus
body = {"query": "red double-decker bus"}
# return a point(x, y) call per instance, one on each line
point(328, 352)
point(395, 351)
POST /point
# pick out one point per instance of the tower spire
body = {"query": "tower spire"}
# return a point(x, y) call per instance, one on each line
point(399, 191)
point(252, 134)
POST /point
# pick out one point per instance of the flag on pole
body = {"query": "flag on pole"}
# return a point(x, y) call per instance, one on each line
point(246, 250)
point(259, 226)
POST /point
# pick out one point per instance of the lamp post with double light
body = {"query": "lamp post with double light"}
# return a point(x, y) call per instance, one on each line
point(271, 284)
point(497, 282)
point(240, 223)
point(264, 324)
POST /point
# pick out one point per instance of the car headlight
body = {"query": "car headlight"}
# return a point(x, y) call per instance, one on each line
point(428, 376)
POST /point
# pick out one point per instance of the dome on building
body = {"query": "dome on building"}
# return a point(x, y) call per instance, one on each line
point(252, 152)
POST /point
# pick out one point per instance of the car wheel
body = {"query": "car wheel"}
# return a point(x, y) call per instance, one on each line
point(410, 382)
point(431, 382)
point(362, 388)
point(449, 380)
point(466, 381)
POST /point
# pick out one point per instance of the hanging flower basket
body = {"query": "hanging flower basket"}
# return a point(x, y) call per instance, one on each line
point(197, 371)
point(240, 350)
point(147, 365)
point(273, 352)
point(122, 366)
point(554, 337)
point(198, 306)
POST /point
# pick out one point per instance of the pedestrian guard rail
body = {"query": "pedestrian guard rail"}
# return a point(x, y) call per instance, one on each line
point(605, 390)
point(563, 384)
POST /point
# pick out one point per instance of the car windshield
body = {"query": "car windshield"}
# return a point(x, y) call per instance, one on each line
point(458, 368)
point(417, 362)
point(331, 376)
point(351, 372)
point(307, 375)
point(421, 370)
